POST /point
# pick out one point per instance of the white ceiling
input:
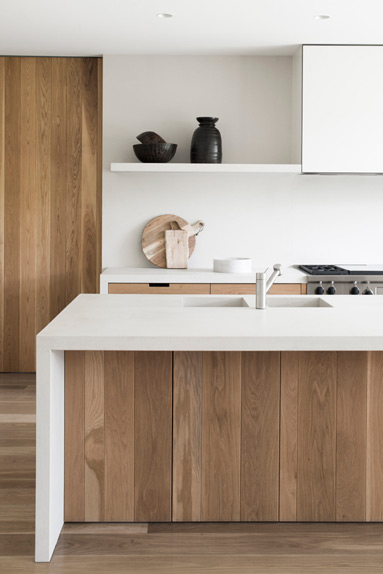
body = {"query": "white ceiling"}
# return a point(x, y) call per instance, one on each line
point(96, 27)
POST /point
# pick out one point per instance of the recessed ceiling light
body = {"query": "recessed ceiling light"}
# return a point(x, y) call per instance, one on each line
point(164, 15)
point(321, 17)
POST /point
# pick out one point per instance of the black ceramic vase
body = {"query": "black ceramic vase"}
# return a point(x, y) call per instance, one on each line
point(206, 145)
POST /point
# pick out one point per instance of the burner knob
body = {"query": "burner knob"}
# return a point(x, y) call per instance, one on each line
point(331, 290)
point(368, 290)
point(355, 289)
point(319, 290)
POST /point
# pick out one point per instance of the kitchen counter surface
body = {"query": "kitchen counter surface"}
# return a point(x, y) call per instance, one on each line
point(151, 322)
point(158, 275)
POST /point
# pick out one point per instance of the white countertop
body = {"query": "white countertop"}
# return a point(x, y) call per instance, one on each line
point(150, 322)
point(158, 275)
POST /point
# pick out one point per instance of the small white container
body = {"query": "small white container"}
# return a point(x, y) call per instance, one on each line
point(232, 265)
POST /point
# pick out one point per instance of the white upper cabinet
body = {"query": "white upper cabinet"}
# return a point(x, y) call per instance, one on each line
point(342, 109)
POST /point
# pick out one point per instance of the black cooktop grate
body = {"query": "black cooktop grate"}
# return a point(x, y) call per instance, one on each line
point(323, 270)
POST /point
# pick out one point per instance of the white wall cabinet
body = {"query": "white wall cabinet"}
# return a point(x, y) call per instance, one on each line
point(342, 115)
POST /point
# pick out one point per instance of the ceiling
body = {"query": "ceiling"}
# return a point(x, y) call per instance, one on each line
point(97, 27)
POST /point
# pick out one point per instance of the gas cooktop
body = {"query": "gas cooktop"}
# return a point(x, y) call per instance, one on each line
point(344, 270)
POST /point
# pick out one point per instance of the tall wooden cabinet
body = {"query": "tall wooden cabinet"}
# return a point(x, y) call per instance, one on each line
point(50, 194)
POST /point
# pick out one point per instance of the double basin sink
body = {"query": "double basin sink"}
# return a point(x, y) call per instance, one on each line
point(272, 301)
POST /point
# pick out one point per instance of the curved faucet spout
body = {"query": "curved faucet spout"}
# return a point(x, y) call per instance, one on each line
point(264, 285)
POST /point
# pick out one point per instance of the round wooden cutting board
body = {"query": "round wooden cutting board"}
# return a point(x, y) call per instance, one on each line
point(153, 237)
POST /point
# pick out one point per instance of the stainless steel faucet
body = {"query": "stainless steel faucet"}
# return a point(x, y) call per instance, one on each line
point(263, 286)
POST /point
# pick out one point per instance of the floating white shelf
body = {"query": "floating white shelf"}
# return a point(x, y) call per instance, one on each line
point(269, 168)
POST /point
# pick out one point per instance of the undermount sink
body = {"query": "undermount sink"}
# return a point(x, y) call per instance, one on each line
point(212, 301)
point(297, 301)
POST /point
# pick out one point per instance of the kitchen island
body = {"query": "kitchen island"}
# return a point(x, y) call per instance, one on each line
point(205, 409)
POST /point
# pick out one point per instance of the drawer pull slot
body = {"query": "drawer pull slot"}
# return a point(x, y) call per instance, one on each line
point(159, 284)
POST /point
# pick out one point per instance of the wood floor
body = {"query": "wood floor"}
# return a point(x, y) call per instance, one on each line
point(159, 548)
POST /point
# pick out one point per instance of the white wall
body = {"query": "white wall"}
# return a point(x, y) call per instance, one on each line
point(291, 219)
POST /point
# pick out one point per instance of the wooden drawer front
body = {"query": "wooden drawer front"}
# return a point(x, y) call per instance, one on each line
point(249, 289)
point(286, 289)
point(160, 288)
point(233, 289)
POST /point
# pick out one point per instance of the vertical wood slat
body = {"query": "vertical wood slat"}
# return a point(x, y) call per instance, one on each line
point(2, 206)
point(43, 186)
point(74, 155)
point(374, 503)
point(187, 406)
point(27, 214)
point(74, 436)
point(94, 436)
point(351, 437)
point(289, 437)
point(89, 175)
point(221, 436)
point(260, 436)
point(58, 185)
point(12, 213)
point(153, 435)
point(317, 436)
point(119, 436)
point(99, 172)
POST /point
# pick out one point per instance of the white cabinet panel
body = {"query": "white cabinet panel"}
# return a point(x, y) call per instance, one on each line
point(342, 123)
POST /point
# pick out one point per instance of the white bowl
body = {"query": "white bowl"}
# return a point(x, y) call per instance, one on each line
point(232, 265)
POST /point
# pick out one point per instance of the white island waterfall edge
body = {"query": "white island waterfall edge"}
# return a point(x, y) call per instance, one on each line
point(150, 322)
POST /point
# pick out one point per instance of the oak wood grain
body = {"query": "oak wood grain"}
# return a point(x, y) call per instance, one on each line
point(74, 436)
point(74, 179)
point(374, 498)
point(286, 289)
point(316, 436)
point(12, 213)
point(233, 288)
point(2, 205)
point(289, 436)
point(187, 410)
point(27, 302)
point(94, 436)
point(153, 435)
point(119, 436)
point(89, 175)
point(221, 436)
point(171, 289)
point(351, 437)
point(260, 436)
point(43, 186)
point(59, 185)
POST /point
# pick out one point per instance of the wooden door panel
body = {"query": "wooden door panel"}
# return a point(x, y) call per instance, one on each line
point(153, 436)
point(351, 437)
point(374, 496)
point(119, 436)
point(221, 436)
point(187, 436)
point(260, 436)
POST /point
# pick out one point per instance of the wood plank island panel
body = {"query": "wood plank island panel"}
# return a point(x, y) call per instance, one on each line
point(50, 195)
point(118, 419)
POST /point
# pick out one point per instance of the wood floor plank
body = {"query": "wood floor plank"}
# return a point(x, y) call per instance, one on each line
point(221, 436)
point(374, 510)
point(260, 436)
point(74, 436)
point(289, 436)
point(351, 437)
point(119, 436)
point(94, 436)
point(153, 435)
point(187, 411)
point(316, 436)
